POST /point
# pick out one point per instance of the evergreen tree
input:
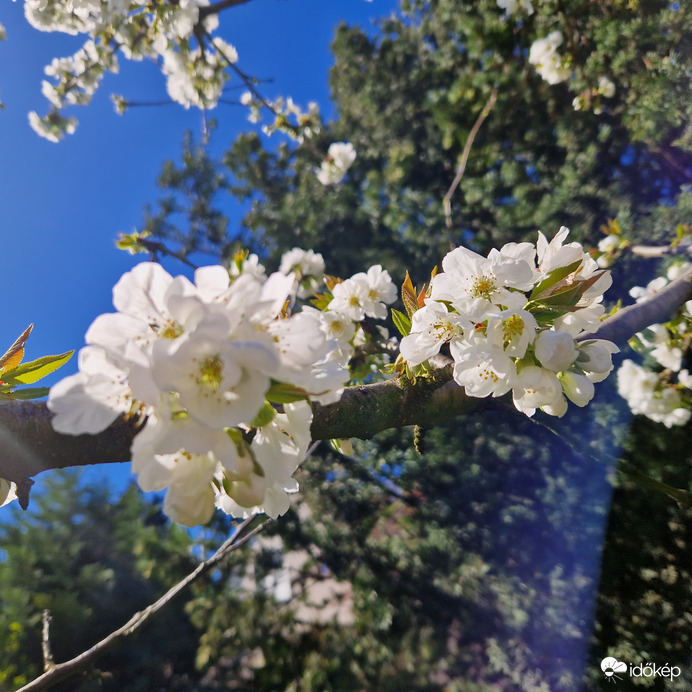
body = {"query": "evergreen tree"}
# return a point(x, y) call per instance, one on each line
point(92, 562)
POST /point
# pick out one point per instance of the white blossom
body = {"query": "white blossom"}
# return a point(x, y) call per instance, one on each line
point(514, 6)
point(478, 286)
point(595, 358)
point(552, 67)
point(606, 87)
point(308, 268)
point(481, 369)
point(535, 388)
point(8, 492)
point(340, 158)
point(89, 401)
point(350, 297)
point(431, 327)
point(555, 350)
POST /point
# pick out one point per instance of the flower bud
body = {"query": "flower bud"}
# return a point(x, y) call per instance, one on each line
point(555, 350)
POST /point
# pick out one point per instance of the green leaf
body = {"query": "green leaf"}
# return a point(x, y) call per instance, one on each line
point(284, 393)
point(26, 373)
point(24, 394)
point(545, 314)
point(567, 297)
point(401, 322)
point(552, 278)
point(265, 416)
point(321, 300)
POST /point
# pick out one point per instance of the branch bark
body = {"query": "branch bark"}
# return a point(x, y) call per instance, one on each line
point(28, 444)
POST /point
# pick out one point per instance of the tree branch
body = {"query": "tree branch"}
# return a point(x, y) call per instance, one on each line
point(625, 323)
point(86, 659)
point(218, 7)
point(447, 199)
point(28, 444)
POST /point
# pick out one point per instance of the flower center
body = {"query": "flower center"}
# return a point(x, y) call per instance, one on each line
point(511, 327)
point(445, 331)
point(171, 331)
point(486, 373)
point(211, 371)
point(483, 287)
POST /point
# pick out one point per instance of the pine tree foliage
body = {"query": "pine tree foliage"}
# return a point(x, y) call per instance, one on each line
point(92, 562)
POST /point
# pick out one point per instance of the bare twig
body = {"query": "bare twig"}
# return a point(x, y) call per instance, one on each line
point(61, 671)
point(155, 247)
point(447, 200)
point(48, 662)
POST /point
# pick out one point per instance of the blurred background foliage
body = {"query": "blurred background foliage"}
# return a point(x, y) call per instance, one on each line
point(510, 554)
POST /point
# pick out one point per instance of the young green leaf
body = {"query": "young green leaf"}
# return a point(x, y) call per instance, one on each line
point(284, 393)
point(24, 394)
point(552, 278)
point(34, 370)
point(401, 322)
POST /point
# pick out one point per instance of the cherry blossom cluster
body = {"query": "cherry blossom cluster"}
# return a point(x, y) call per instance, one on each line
point(593, 98)
point(515, 6)
point(664, 396)
point(340, 158)
point(174, 35)
point(289, 118)
point(515, 321)
point(552, 66)
point(648, 395)
point(222, 373)
point(224, 377)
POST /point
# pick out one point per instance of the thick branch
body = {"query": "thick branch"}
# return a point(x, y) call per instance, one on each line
point(625, 323)
point(28, 444)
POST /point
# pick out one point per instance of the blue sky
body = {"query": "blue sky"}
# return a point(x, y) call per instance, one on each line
point(62, 205)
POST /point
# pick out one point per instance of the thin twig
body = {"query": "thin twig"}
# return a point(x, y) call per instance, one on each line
point(447, 200)
point(154, 247)
point(48, 662)
point(61, 671)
